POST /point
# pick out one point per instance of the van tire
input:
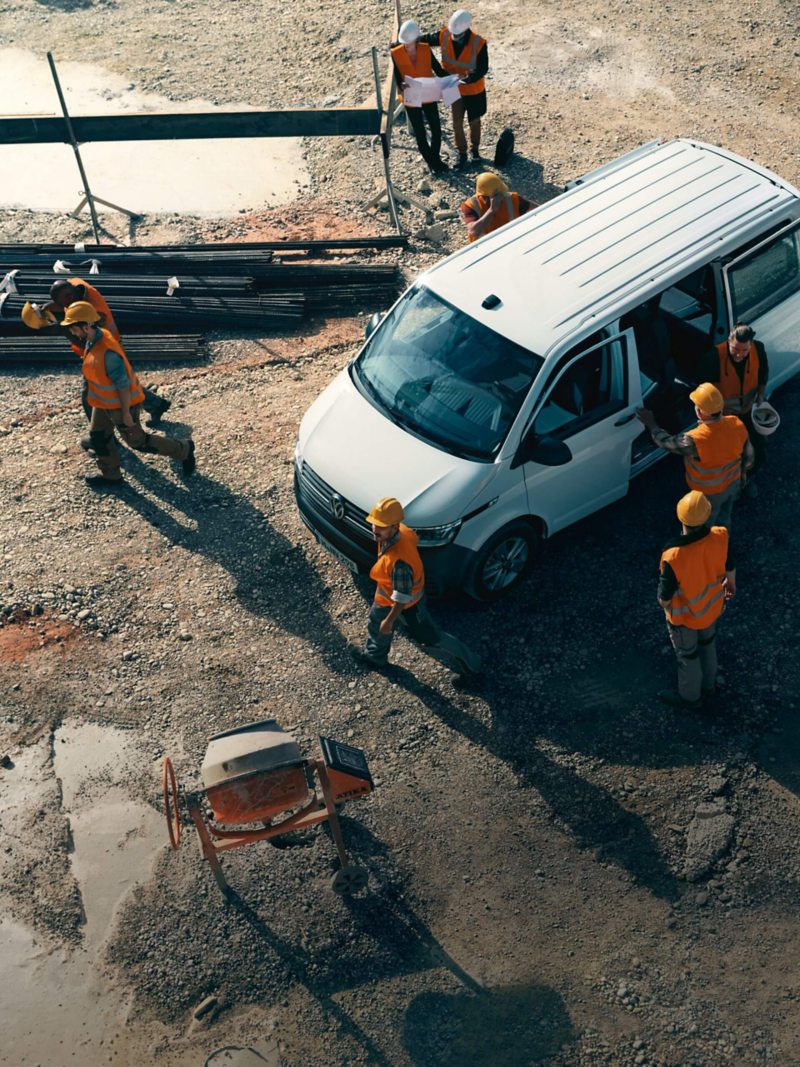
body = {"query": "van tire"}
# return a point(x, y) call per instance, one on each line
point(517, 542)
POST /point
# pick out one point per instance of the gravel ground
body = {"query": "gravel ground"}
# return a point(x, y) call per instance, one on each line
point(562, 872)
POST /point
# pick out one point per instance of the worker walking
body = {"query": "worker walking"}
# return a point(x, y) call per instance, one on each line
point(400, 597)
point(116, 399)
point(413, 59)
point(492, 206)
point(740, 370)
point(716, 453)
point(464, 53)
point(68, 291)
point(697, 577)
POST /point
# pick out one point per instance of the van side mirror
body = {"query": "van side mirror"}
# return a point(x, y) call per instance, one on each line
point(548, 451)
point(373, 324)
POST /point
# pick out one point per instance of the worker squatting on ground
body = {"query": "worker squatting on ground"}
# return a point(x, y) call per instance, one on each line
point(116, 399)
point(68, 291)
point(400, 596)
point(464, 53)
point(717, 453)
point(698, 575)
point(740, 370)
point(413, 59)
point(492, 206)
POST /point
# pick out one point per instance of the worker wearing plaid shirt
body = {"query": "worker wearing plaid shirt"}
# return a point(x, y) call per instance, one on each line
point(400, 597)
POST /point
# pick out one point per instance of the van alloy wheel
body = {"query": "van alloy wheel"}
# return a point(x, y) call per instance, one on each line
point(503, 561)
point(505, 564)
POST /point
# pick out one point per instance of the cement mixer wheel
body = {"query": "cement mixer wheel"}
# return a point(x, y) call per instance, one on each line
point(349, 880)
point(171, 805)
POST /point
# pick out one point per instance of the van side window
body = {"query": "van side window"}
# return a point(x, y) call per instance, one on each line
point(764, 279)
point(589, 390)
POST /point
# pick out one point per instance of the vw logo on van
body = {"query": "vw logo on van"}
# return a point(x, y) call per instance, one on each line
point(337, 506)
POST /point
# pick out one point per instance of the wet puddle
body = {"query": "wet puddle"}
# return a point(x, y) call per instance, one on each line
point(193, 177)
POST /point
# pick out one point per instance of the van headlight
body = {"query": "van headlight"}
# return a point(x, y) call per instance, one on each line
point(298, 457)
point(434, 536)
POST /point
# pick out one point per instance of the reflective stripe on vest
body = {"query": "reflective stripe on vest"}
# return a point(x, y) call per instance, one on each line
point(102, 392)
point(424, 65)
point(458, 66)
point(404, 549)
point(739, 395)
point(700, 570)
point(507, 213)
point(720, 445)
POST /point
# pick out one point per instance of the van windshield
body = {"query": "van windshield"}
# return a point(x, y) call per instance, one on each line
point(444, 376)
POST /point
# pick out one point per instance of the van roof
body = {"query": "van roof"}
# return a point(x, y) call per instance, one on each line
point(631, 226)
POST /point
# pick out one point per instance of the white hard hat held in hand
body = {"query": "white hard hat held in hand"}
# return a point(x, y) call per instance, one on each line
point(409, 32)
point(459, 22)
point(766, 419)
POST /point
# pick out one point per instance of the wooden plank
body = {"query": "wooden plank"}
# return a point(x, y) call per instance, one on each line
point(166, 126)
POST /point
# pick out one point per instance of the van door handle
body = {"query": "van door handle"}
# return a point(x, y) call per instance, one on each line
point(625, 418)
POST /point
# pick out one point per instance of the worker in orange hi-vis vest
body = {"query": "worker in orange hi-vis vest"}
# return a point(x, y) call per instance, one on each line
point(697, 576)
point(492, 206)
point(400, 598)
point(464, 53)
point(116, 399)
point(68, 291)
point(413, 59)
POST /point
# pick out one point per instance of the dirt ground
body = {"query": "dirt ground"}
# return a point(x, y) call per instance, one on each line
point(534, 896)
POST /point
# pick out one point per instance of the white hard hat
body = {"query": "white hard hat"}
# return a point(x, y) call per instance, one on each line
point(766, 419)
point(409, 32)
point(459, 22)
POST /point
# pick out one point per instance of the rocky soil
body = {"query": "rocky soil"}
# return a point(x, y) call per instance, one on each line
point(561, 871)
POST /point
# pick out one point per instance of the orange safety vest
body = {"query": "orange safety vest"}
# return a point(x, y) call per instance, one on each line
point(405, 549)
point(720, 445)
point(98, 302)
point(739, 395)
point(700, 569)
point(423, 67)
point(102, 391)
point(465, 62)
point(509, 210)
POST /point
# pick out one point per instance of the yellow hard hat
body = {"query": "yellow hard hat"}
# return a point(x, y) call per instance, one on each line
point(489, 184)
point(386, 512)
point(694, 509)
point(36, 317)
point(80, 311)
point(708, 398)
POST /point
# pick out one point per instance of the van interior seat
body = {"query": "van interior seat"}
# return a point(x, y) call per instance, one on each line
point(653, 342)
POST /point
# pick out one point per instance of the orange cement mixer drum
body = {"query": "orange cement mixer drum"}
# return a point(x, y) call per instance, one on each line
point(258, 797)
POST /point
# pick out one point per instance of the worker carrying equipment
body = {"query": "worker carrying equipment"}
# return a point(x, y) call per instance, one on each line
point(400, 597)
point(717, 453)
point(766, 419)
point(492, 206)
point(697, 577)
point(37, 317)
point(115, 397)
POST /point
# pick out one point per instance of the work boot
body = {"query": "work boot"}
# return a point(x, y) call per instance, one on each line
point(462, 680)
point(189, 464)
point(673, 699)
point(476, 155)
point(162, 408)
point(98, 482)
point(86, 444)
point(360, 656)
point(439, 167)
point(750, 489)
point(462, 161)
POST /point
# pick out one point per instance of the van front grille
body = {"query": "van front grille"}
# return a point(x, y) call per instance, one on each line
point(341, 513)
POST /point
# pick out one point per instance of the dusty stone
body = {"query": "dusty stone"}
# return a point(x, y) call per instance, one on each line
point(204, 1007)
point(708, 837)
point(701, 899)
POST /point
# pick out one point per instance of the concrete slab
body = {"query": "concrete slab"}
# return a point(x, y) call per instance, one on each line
point(197, 177)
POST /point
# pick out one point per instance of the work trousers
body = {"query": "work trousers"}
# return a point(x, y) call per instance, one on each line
point(697, 658)
point(459, 110)
point(722, 505)
point(418, 625)
point(757, 440)
point(431, 153)
point(151, 401)
point(101, 434)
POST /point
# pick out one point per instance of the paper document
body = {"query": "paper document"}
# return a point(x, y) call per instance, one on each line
point(418, 91)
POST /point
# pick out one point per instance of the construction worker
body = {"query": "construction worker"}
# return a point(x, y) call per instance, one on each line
point(68, 291)
point(116, 399)
point(697, 576)
point(717, 453)
point(740, 370)
point(400, 596)
point(492, 206)
point(464, 53)
point(413, 59)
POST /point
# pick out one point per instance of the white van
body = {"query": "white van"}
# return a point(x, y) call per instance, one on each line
point(496, 400)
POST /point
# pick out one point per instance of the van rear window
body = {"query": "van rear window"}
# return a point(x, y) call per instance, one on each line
point(445, 376)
